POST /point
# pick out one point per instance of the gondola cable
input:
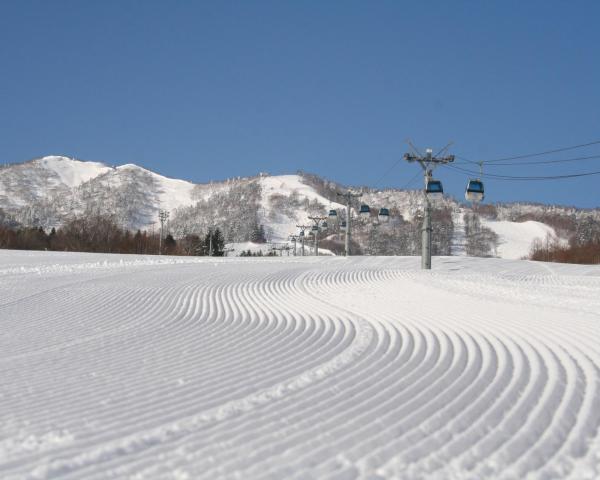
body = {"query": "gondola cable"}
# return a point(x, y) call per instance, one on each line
point(538, 154)
point(535, 162)
point(523, 178)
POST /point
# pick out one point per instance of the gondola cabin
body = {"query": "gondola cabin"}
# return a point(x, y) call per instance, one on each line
point(474, 191)
point(343, 225)
point(332, 215)
point(434, 189)
point(324, 226)
point(384, 215)
point(365, 211)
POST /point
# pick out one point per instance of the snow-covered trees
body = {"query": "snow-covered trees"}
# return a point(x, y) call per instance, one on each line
point(233, 210)
point(587, 231)
point(481, 241)
point(551, 250)
point(191, 245)
point(214, 244)
point(258, 234)
point(34, 196)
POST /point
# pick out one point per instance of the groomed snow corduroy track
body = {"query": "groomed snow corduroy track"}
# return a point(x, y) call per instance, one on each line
point(142, 367)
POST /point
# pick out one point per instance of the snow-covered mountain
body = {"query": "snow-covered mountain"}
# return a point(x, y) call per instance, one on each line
point(49, 191)
point(24, 183)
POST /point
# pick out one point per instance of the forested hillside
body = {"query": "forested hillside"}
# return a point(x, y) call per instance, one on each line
point(51, 192)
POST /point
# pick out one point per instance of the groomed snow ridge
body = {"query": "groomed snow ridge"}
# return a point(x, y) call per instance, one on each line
point(116, 366)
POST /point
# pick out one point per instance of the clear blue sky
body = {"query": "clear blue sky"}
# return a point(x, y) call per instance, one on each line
point(212, 90)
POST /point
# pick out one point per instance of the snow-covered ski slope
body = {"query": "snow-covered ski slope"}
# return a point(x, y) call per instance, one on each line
point(515, 239)
point(148, 367)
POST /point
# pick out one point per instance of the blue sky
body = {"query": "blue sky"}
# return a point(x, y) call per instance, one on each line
point(206, 91)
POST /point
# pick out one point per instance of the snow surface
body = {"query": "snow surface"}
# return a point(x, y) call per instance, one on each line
point(172, 193)
point(459, 236)
point(285, 184)
point(117, 366)
point(236, 248)
point(516, 239)
point(71, 172)
point(22, 184)
point(282, 226)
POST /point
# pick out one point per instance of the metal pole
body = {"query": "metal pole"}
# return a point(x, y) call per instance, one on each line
point(428, 162)
point(348, 196)
point(426, 238)
point(210, 248)
point(348, 226)
point(160, 237)
point(293, 238)
point(317, 221)
point(303, 229)
point(163, 215)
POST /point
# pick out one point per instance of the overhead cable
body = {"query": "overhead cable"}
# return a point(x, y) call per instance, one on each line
point(534, 162)
point(517, 178)
point(546, 152)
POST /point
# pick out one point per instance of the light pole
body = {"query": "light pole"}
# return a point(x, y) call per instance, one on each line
point(163, 215)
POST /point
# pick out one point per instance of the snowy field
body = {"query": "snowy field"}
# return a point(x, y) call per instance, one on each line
point(145, 367)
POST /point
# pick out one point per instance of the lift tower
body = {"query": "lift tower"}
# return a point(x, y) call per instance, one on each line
point(302, 236)
point(294, 239)
point(428, 163)
point(318, 223)
point(348, 196)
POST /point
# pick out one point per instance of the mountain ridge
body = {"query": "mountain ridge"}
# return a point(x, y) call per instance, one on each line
point(48, 191)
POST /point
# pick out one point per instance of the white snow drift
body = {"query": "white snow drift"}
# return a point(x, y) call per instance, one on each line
point(147, 367)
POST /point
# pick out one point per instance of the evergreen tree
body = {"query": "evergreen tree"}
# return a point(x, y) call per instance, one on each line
point(51, 238)
point(218, 243)
point(257, 235)
point(137, 238)
point(170, 244)
point(191, 245)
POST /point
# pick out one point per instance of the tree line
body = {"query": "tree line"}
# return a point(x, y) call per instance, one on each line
point(552, 250)
point(101, 234)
